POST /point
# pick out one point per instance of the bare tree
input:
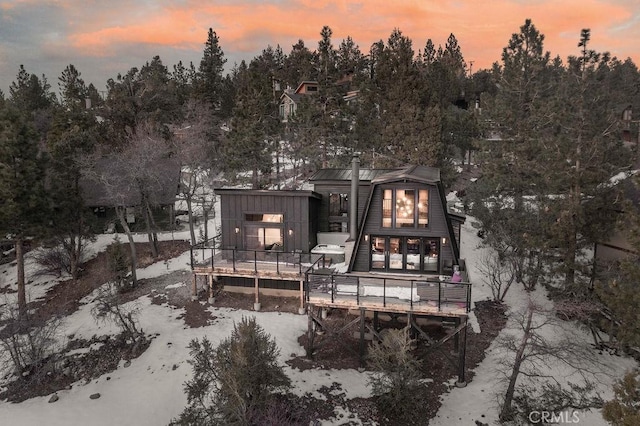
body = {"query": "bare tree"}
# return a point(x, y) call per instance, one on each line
point(545, 341)
point(136, 175)
point(108, 307)
point(498, 273)
point(196, 151)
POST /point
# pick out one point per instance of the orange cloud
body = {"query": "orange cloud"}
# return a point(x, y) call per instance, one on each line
point(482, 28)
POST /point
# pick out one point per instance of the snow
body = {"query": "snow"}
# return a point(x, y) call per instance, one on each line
point(149, 391)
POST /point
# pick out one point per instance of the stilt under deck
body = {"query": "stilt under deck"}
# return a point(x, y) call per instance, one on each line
point(211, 263)
point(409, 297)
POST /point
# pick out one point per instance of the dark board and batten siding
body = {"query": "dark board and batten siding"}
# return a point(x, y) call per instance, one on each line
point(437, 227)
point(299, 210)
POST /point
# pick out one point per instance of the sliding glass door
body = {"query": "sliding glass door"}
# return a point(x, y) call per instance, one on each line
point(405, 254)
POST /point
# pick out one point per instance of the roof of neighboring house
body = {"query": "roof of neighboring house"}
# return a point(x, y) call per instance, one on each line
point(295, 97)
point(306, 82)
point(100, 189)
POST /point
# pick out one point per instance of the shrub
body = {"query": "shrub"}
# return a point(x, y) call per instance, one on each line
point(397, 385)
point(624, 409)
point(233, 383)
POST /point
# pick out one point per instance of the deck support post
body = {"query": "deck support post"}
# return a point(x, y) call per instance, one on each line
point(194, 288)
point(256, 305)
point(212, 299)
point(301, 309)
point(310, 332)
point(456, 339)
point(462, 352)
point(376, 320)
point(362, 329)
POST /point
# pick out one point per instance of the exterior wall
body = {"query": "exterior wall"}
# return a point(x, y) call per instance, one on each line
point(617, 248)
point(298, 217)
point(287, 108)
point(437, 227)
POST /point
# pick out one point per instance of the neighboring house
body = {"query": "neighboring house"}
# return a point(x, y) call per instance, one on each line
point(617, 246)
point(106, 190)
point(290, 99)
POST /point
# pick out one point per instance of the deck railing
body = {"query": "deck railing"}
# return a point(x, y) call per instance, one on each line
point(416, 293)
point(211, 256)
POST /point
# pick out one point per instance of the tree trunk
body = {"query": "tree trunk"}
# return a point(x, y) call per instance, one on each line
point(132, 245)
point(505, 413)
point(147, 223)
point(154, 229)
point(22, 293)
point(192, 230)
point(73, 251)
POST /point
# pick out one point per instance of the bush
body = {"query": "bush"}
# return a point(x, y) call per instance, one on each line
point(119, 264)
point(233, 383)
point(27, 342)
point(624, 409)
point(397, 385)
point(108, 307)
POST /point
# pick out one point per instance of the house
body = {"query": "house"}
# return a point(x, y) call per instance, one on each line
point(376, 242)
point(290, 99)
point(107, 188)
point(617, 246)
point(392, 221)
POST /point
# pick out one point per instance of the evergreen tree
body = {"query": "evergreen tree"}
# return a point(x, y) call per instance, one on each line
point(24, 202)
point(209, 76)
point(73, 135)
point(72, 88)
point(250, 144)
point(233, 383)
point(624, 409)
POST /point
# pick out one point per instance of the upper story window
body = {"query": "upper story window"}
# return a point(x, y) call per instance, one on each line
point(405, 208)
point(338, 212)
point(338, 204)
point(264, 217)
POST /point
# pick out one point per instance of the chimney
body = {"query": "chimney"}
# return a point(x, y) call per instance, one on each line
point(353, 197)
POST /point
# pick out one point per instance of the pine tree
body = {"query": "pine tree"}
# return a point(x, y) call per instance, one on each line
point(24, 202)
point(209, 76)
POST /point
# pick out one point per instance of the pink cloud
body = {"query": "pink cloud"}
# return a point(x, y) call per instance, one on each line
point(482, 28)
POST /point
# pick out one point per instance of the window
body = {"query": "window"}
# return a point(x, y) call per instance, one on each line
point(405, 205)
point(338, 204)
point(423, 208)
point(263, 238)
point(264, 217)
point(338, 212)
point(405, 208)
point(387, 202)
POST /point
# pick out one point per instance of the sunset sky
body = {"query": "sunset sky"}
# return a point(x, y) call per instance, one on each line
point(103, 38)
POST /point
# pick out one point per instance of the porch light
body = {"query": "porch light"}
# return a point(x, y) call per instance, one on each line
point(290, 231)
point(237, 230)
point(366, 237)
point(444, 241)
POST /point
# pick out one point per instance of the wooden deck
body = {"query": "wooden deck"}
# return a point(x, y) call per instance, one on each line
point(252, 264)
point(389, 294)
point(321, 287)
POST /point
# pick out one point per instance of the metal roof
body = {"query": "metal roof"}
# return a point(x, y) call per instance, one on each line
point(366, 175)
point(268, 192)
point(416, 173)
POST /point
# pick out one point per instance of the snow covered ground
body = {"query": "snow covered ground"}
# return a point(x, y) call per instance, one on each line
point(149, 391)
